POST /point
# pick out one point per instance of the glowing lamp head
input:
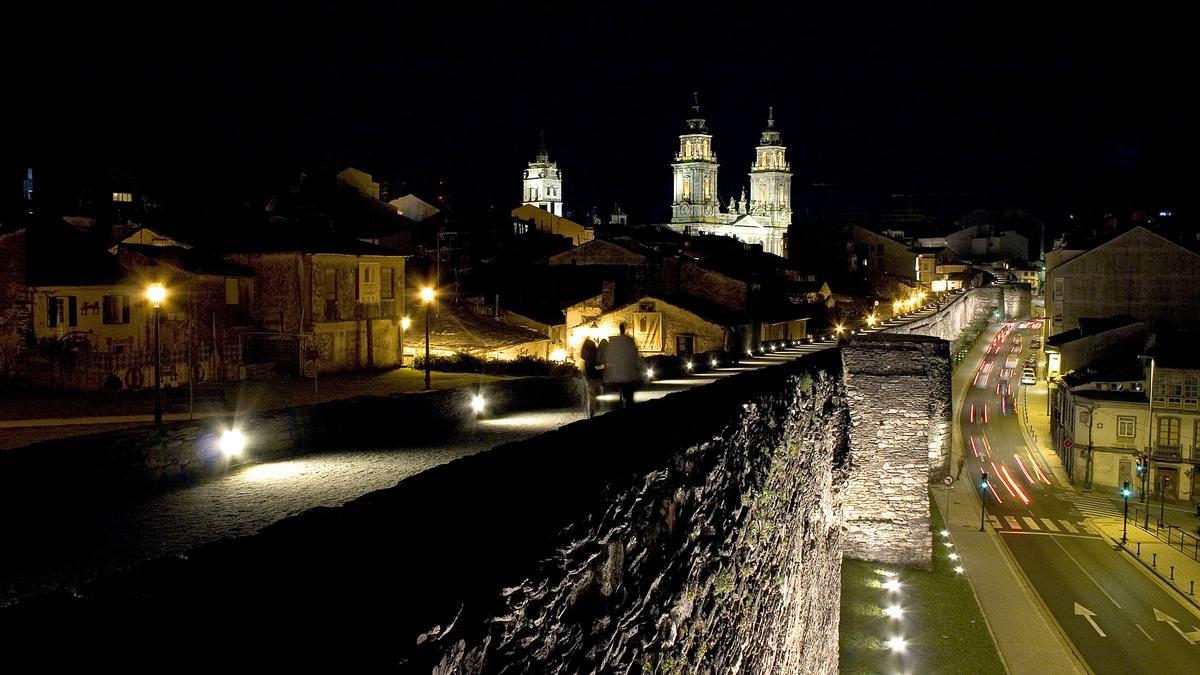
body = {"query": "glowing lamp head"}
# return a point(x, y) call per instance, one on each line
point(558, 355)
point(897, 644)
point(892, 585)
point(156, 293)
point(959, 569)
point(427, 294)
point(232, 443)
point(689, 366)
point(649, 373)
point(713, 363)
point(893, 611)
point(840, 329)
point(405, 323)
point(477, 403)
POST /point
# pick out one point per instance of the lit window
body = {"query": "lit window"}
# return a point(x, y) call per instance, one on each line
point(1168, 432)
point(122, 197)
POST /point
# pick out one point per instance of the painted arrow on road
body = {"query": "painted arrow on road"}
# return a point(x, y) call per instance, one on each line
point(1086, 613)
point(1192, 637)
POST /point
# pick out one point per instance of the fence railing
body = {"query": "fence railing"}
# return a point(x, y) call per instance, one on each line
point(1174, 536)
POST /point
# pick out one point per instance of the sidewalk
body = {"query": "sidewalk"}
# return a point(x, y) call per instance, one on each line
point(1036, 427)
point(1027, 639)
point(25, 418)
point(1173, 568)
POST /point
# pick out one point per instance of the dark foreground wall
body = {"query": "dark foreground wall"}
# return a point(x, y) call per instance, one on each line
point(702, 532)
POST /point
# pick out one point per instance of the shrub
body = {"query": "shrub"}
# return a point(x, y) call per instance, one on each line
point(520, 366)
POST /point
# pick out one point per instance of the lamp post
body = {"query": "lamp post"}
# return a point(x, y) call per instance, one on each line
point(405, 324)
point(427, 295)
point(156, 293)
point(1149, 433)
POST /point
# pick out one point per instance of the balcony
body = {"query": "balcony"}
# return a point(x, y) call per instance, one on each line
point(1166, 453)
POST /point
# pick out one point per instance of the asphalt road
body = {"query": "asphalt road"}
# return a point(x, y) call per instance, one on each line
point(1105, 605)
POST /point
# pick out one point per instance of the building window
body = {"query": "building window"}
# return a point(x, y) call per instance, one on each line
point(687, 189)
point(1196, 435)
point(1060, 286)
point(122, 197)
point(1168, 432)
point(60, 310)
point(116, 309)
point(388, 284)
point(1126, 427)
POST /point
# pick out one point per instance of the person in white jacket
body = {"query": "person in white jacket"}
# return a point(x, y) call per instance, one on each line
point(623, 366)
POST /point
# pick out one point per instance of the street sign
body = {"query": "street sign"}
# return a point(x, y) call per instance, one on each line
point(948, 480)
point(1068, 443)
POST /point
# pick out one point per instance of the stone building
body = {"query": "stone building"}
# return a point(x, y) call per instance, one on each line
point(656, 325)
point(339, 300)
point(1137, 274)
point(762, 219)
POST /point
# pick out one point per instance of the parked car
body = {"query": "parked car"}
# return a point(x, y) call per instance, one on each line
point(1028, 376)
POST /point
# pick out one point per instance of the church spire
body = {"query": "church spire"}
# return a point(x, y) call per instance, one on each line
point(696, 123)
point(771, 135)
point(543, 155)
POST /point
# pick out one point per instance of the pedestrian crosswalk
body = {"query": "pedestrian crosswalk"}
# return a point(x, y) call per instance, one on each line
point(1092, 505)
point(1045, 525)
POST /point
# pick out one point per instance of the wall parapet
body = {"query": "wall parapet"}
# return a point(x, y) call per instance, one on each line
point(703, 531)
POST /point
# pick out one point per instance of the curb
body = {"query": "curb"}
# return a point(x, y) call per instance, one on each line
point(1163, 581)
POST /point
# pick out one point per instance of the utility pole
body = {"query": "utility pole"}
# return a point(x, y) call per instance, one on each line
point(983, 487)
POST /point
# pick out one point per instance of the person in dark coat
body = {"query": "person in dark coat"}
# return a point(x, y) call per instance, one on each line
point(593, 374)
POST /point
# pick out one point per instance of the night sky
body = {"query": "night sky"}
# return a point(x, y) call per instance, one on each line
point(1009, 105)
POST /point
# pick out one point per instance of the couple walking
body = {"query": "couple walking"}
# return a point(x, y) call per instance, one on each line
point(616, 363)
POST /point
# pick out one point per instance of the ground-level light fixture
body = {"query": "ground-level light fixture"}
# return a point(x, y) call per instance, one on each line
point(649, 373)
point(893, 611)
point(892, 585)
point(954, 556)
point(232, 442)
point(840, 329)
point(749, 352)
point(959, 569)
point(477, 403)
point(897, 644)
point(689, 366)
point(945, 533)
point(405, 323)
point(713, 363)
point(558, 355)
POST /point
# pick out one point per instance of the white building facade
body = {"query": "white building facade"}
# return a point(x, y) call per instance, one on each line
point(542, 185)
point(763, 219)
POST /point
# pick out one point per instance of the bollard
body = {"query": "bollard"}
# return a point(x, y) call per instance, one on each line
point(1192, 587)
point(1139, 553)
point(1172, 573)
point(1154, 560)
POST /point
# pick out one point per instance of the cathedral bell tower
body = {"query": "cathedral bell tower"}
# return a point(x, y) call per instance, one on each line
point(543, 182)
point(771, 179)
point(695, 173)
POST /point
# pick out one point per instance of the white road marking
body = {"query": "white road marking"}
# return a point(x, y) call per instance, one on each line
point(1030, 522)
point(1139, 627)
point(1086, 613)
point(1012, 522)
point(1068, 526)
point(1192, 637)
point(1084, 570)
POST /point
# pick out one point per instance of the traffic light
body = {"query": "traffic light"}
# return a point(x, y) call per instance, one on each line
point(1125, 491)
point(983, 484)
point(1141, 466)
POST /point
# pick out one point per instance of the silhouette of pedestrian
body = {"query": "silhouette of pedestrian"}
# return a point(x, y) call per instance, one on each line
point(593, 375)
point(623, 366)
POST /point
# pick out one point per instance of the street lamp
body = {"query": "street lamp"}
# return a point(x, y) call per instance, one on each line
point(1149, 434)
point(427, 295)
point(156, 293)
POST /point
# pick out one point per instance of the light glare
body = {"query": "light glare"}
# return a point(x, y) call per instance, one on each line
point(232, 443)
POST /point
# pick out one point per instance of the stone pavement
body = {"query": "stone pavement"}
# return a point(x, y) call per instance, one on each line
point(1028, 641)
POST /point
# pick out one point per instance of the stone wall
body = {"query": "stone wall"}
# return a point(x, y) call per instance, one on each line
point(899, 392)
point(1013, 301)
point(700, 532)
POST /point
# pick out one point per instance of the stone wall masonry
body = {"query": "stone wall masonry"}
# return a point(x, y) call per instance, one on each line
point(1013, 300)
point(701, 532)
point(899, 393)
point(147, 459)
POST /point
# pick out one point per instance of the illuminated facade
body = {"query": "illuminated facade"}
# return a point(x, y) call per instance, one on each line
point(542, 186)
point(763, 219)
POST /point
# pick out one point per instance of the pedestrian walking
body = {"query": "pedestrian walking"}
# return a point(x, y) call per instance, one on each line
point(593, 374)
point(623, 366)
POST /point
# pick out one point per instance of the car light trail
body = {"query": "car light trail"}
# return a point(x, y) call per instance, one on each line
point(997, 474)
point(973, 448)
point(985, 413)
point(972, 413)
point(1020, 493)
point(1003, 406)
point(998, 384)
point(1036, 468)
point(987, 447)
point(1022, 466)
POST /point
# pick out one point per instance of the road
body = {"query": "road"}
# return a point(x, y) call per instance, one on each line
point(1117, 617)
point(61, 543)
